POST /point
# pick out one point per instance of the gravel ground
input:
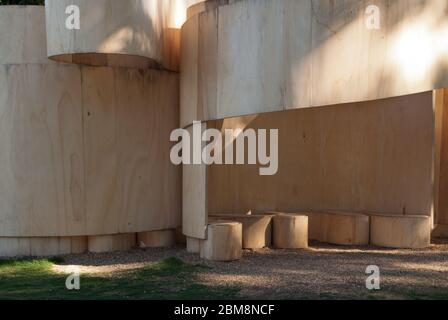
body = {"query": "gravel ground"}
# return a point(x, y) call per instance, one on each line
point(323, 271)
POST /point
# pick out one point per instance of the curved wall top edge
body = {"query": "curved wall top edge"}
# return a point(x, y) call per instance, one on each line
point(262, 56)
point(195, 7)
point(140, 29)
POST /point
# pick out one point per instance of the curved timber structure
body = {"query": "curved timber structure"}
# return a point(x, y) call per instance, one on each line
point(86, 116)
point(136, 33)
point(85, 150)
point(366, 145)
point(250, 57)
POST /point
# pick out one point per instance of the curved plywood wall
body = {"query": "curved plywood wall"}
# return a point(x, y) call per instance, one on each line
point(366, 157)
point(142, 33)
point(84, 150)
point(253, 56)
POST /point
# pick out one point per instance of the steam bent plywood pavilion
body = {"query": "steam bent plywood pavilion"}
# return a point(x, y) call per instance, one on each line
point(86, 117)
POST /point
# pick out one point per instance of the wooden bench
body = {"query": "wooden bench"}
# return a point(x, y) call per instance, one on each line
point(257, 229)
point(337, 228)
point(400, 231)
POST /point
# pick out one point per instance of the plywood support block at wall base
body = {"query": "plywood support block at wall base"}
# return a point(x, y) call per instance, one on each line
point(156, 239)
point(41, 246)
point(339, 228)
point(224, 242)
point(111, 243)
point(257, 229)
point(440, 231)
point(290, 231)
point(406, 232)
point(193, 245)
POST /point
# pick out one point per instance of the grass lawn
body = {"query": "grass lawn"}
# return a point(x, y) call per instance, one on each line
point(266, 275)
point(169, 279)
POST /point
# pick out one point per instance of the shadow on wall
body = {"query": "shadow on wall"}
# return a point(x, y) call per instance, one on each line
point(124, 37)
point(370, 157)
point(353, 63)
point(135, 33)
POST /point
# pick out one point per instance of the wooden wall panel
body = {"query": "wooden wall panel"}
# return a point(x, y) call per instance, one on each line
point(207, 65)
point(131, 184)
point(102, 190)
point(287, 54)
point(84, 150)
point(87, 160)
point(194, 198)
point(25, 247)
point(42, 175)
point(250, 58)
point(23, 39)
point(365, 157)
point(441, 208)
point(189, 73)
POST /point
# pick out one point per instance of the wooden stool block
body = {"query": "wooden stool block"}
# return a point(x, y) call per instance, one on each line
point(193, 245)
point(112, 243)
point(347, 229)
point(290, 231)
point(257, 229)
point(224, 242)
point(400, 231)
point(156, 239)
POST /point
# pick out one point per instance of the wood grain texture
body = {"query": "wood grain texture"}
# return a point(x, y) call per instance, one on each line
point(111, 243)
point(134, 28)
point(42, 176)
point(412, 232)
point(441, 165)
point(250, 57)
point(290, 231)
point(189, 73)
point(339, 228)
point(22, 35)
point(85, 151)
point(223, 243)
point(43, 246)
point(131, 184)
point(366, 157)
point(257, 229)
point(194, 197)
point(287, 54)
point(90, 156)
